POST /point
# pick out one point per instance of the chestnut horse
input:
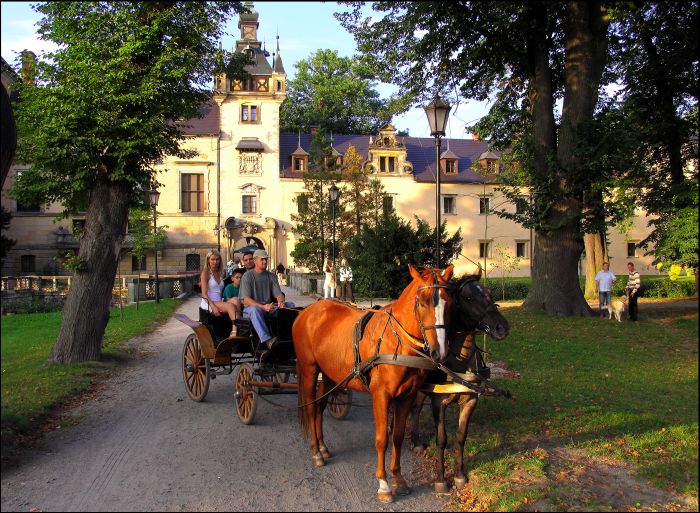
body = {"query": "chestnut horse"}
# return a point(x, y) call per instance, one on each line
point(473, 309)
point(390, 357)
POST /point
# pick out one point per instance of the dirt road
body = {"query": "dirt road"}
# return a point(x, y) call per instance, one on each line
point(142, 445)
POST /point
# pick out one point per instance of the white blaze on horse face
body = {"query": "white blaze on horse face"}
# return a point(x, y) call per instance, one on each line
point(440, 321)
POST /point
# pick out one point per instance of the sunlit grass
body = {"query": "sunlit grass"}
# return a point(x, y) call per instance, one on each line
point(31, 386)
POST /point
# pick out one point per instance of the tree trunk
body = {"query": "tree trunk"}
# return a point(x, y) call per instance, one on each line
point(595, 256)
point(86, 311)
point(555, 287)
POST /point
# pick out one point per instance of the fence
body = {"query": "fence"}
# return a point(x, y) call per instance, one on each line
point(126, 287)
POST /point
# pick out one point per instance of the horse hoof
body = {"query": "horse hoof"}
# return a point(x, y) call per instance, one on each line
point(441, 487)
point(318, 460)
point(385, 497)
point(326, 455)
point(460, 482)
point(400, 489)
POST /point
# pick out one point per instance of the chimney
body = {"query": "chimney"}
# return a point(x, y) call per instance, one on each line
point(475, 136)
point(28, 67)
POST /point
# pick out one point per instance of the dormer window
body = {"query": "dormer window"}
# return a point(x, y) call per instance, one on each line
point(450, 167)
point(491, 166)
point(300, 158)
point(449, 163)
point(299, 163)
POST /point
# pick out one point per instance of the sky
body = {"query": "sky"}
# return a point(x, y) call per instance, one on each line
point(303, 28)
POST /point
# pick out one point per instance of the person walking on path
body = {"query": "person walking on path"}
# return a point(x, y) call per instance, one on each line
point(280, 273)
point(329, 283)
point(634, 284)
point(262, 297)
point(603, 284)
point(345, 270)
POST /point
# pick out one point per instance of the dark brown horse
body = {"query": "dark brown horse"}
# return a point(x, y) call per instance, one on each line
point(384, 358)
point(472, 309)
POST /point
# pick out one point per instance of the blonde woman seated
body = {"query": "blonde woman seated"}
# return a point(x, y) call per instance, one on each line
point(212, 280)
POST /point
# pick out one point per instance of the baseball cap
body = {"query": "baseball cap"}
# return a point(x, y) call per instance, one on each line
point(260, 253)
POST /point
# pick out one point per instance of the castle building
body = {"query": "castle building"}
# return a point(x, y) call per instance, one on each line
point(239, 190)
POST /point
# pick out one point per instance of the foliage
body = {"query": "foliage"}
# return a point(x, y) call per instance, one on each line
point(356, 195)
point(5, 242)
point(313, 221)
point(95, 117)
point(513, 54)
point(676, 237)
point(101, 105)
point(31, 387)
point(584, 384)
point(335, 93)
point(380, 254)
point(33, 304)
point(505, 262)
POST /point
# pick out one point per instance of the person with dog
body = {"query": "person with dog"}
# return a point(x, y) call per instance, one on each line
point(261, 296)
point(604, 284)
point(634, 284)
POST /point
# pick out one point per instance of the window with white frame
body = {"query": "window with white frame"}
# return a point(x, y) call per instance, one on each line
point(485, 249)
point(521, 249)
point(484, 205)
point(250, 113)
point(192, 192)
point(250, 200)
point(449, 204)
point(631, 249)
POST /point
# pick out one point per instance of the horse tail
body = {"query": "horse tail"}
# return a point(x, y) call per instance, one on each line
point(301, 410)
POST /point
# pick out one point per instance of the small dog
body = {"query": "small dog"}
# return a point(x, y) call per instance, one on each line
point(617, 307)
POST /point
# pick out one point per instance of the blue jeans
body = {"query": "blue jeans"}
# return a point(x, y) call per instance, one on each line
point(604, 298)
point(257, 316)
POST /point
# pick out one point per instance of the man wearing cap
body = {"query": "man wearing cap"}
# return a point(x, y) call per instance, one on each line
point(261, 296)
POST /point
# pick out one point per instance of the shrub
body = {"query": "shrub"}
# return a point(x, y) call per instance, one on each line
point(35, 304)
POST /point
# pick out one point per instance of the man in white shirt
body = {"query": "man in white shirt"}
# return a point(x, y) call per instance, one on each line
point(603, 284)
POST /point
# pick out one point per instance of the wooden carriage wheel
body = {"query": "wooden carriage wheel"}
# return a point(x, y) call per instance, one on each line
point(339, 403)
point(246, 399)
point(195, 369)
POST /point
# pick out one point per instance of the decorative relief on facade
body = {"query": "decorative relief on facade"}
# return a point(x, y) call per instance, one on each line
point(250, 163)
point(387, 155)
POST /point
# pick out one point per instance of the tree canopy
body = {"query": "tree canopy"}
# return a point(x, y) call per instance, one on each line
point(97, 118)
point(335, 93)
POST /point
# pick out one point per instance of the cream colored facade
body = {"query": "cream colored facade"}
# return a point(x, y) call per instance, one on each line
point(241, 163)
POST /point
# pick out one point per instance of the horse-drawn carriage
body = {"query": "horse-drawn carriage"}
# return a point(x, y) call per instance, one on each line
point(209, 352)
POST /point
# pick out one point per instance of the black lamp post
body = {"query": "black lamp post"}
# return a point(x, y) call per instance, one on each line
point(154, 196)
point(437, 111)
point(333, 192)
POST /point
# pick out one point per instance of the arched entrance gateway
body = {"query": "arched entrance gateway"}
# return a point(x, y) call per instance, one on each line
point(242, 234)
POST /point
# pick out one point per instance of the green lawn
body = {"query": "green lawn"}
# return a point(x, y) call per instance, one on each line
point(624, 392)
point(31, 387)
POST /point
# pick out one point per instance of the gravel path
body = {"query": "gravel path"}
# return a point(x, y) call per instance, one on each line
point(142, 445)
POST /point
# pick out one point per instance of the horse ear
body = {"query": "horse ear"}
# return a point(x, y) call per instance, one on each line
point(414, 273)
point(447, 273)
point(479, 273)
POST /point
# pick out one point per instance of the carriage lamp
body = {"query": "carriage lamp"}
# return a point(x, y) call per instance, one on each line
point(437, 112)
point(154, 196)
point(333, 193)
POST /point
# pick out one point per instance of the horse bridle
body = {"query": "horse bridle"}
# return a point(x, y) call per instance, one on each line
point(481, 324)
point(435, 300)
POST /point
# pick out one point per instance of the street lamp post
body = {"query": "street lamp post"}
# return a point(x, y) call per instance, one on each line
point(333, 192)
point(437, 112)
point(153, 196)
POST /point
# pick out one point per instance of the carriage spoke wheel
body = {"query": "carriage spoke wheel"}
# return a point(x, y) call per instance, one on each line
point(246, 399)
point(195, 369)
point(339, 403)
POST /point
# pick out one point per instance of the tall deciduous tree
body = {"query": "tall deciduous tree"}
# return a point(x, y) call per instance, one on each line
point(525, 57)
point(335, 93)
point(313, 221)
point(95, 121)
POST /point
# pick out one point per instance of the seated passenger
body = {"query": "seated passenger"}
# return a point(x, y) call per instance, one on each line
point(261, 296)
point(232, 290)
point(212, 282)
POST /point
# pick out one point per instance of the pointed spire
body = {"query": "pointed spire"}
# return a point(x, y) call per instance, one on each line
point(278, 66)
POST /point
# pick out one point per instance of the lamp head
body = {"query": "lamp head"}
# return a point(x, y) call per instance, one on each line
point(437, 112)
